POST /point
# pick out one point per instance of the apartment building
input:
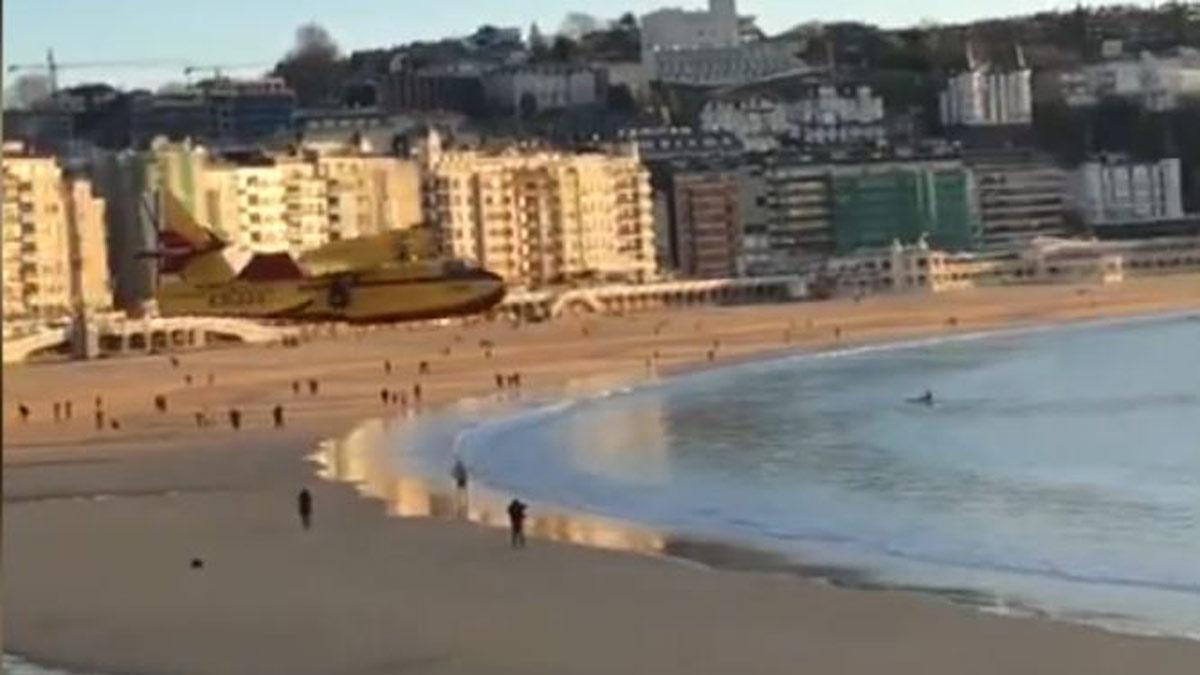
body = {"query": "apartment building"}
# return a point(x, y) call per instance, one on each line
point(704, 213)
point(989, 93)
point(1022, 195)
point(1116, 190)
point(539, 218)
point(55, 258)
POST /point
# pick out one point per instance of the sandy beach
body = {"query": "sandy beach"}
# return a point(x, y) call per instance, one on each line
point(100, 526)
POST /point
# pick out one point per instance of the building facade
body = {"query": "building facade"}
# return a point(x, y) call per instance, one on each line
point(988, 95)
point(543, 218)
point(1155, 83)
point(704, 215)
point(1115, 191)
point(548, 86)
point(877, 204)
point(827, 116)
point(727, 65)
point(1022, 195)
point(55, 255)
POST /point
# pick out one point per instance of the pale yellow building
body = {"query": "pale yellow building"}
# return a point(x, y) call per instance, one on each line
point(292, 202)
point(55, 255)
point(541, 218)
point(369, 194)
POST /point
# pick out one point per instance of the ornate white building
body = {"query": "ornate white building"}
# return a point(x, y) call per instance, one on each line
point(988, 95)
point(828, 116)
point(1118, 191)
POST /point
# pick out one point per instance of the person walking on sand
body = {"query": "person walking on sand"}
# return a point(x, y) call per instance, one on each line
point(235, 418)
point(304, 504)
point(295, 387)
point(384, 395)
point(516, 522)
point(67, 409)
point(24, 412)
point(459, 472)
point(313, 386)
point(277, 413)
point(57, 411)
point(99, 420)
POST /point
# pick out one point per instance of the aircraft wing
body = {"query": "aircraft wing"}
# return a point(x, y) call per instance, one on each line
point(364, 253)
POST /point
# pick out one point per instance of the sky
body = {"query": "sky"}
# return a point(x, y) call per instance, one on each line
point(255, 33)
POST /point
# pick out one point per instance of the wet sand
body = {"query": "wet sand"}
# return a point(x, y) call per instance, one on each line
point(100, 527)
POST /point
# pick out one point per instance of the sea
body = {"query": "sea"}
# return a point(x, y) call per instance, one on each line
point(1050, 472)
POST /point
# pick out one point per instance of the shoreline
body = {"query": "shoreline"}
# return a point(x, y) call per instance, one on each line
point(203, 478)
point(710, 551)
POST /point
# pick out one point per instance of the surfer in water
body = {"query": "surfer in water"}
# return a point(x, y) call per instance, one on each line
point(923, 399)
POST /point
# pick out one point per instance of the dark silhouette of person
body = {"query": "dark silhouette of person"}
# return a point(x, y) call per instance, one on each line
point(160, 403)
point(114, 424)
point(67, 409)
point(423, 368)
point(99, 420)
point(235, 418)
point(312, 387)
point(387, 367)
point(459, 472)
point(277, 413)
point(517, 380)
point(296, 387)
point(417, 392)
point(395, 397)
point(24, 412)
point(304, 504)
point(199, 420)
point(499, 381)
point(174, 362)
point(57, 411)
point(516, 522)
point(187, 379)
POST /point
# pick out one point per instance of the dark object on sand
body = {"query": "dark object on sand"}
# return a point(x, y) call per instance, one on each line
point(516, 522)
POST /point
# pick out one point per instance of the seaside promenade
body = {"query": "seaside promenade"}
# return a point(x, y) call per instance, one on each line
point(101, 526)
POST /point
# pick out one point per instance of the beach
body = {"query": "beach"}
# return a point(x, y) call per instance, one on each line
point(101, 526)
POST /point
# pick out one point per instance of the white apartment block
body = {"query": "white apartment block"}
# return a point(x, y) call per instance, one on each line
point(725, 66)
point(828, 117)
point(55, 257)
point(541, 218)
point(551, 86)
point(985, 95)
point(678, 29)
point(1155, 83)
point(1120, 191)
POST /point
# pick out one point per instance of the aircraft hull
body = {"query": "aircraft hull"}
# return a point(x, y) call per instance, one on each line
point(371, 297)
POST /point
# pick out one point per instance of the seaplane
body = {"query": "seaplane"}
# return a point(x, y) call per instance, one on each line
point(368, 280)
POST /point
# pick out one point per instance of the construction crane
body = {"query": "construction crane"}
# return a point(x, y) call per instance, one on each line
point(218, 70)
point(52, 67)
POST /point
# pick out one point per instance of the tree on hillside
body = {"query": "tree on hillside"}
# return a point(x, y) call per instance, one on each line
point(628, 22)
point(27, 92)
point(539, 49)
point(578, 24)
point(313, 68)
point(564, 50)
